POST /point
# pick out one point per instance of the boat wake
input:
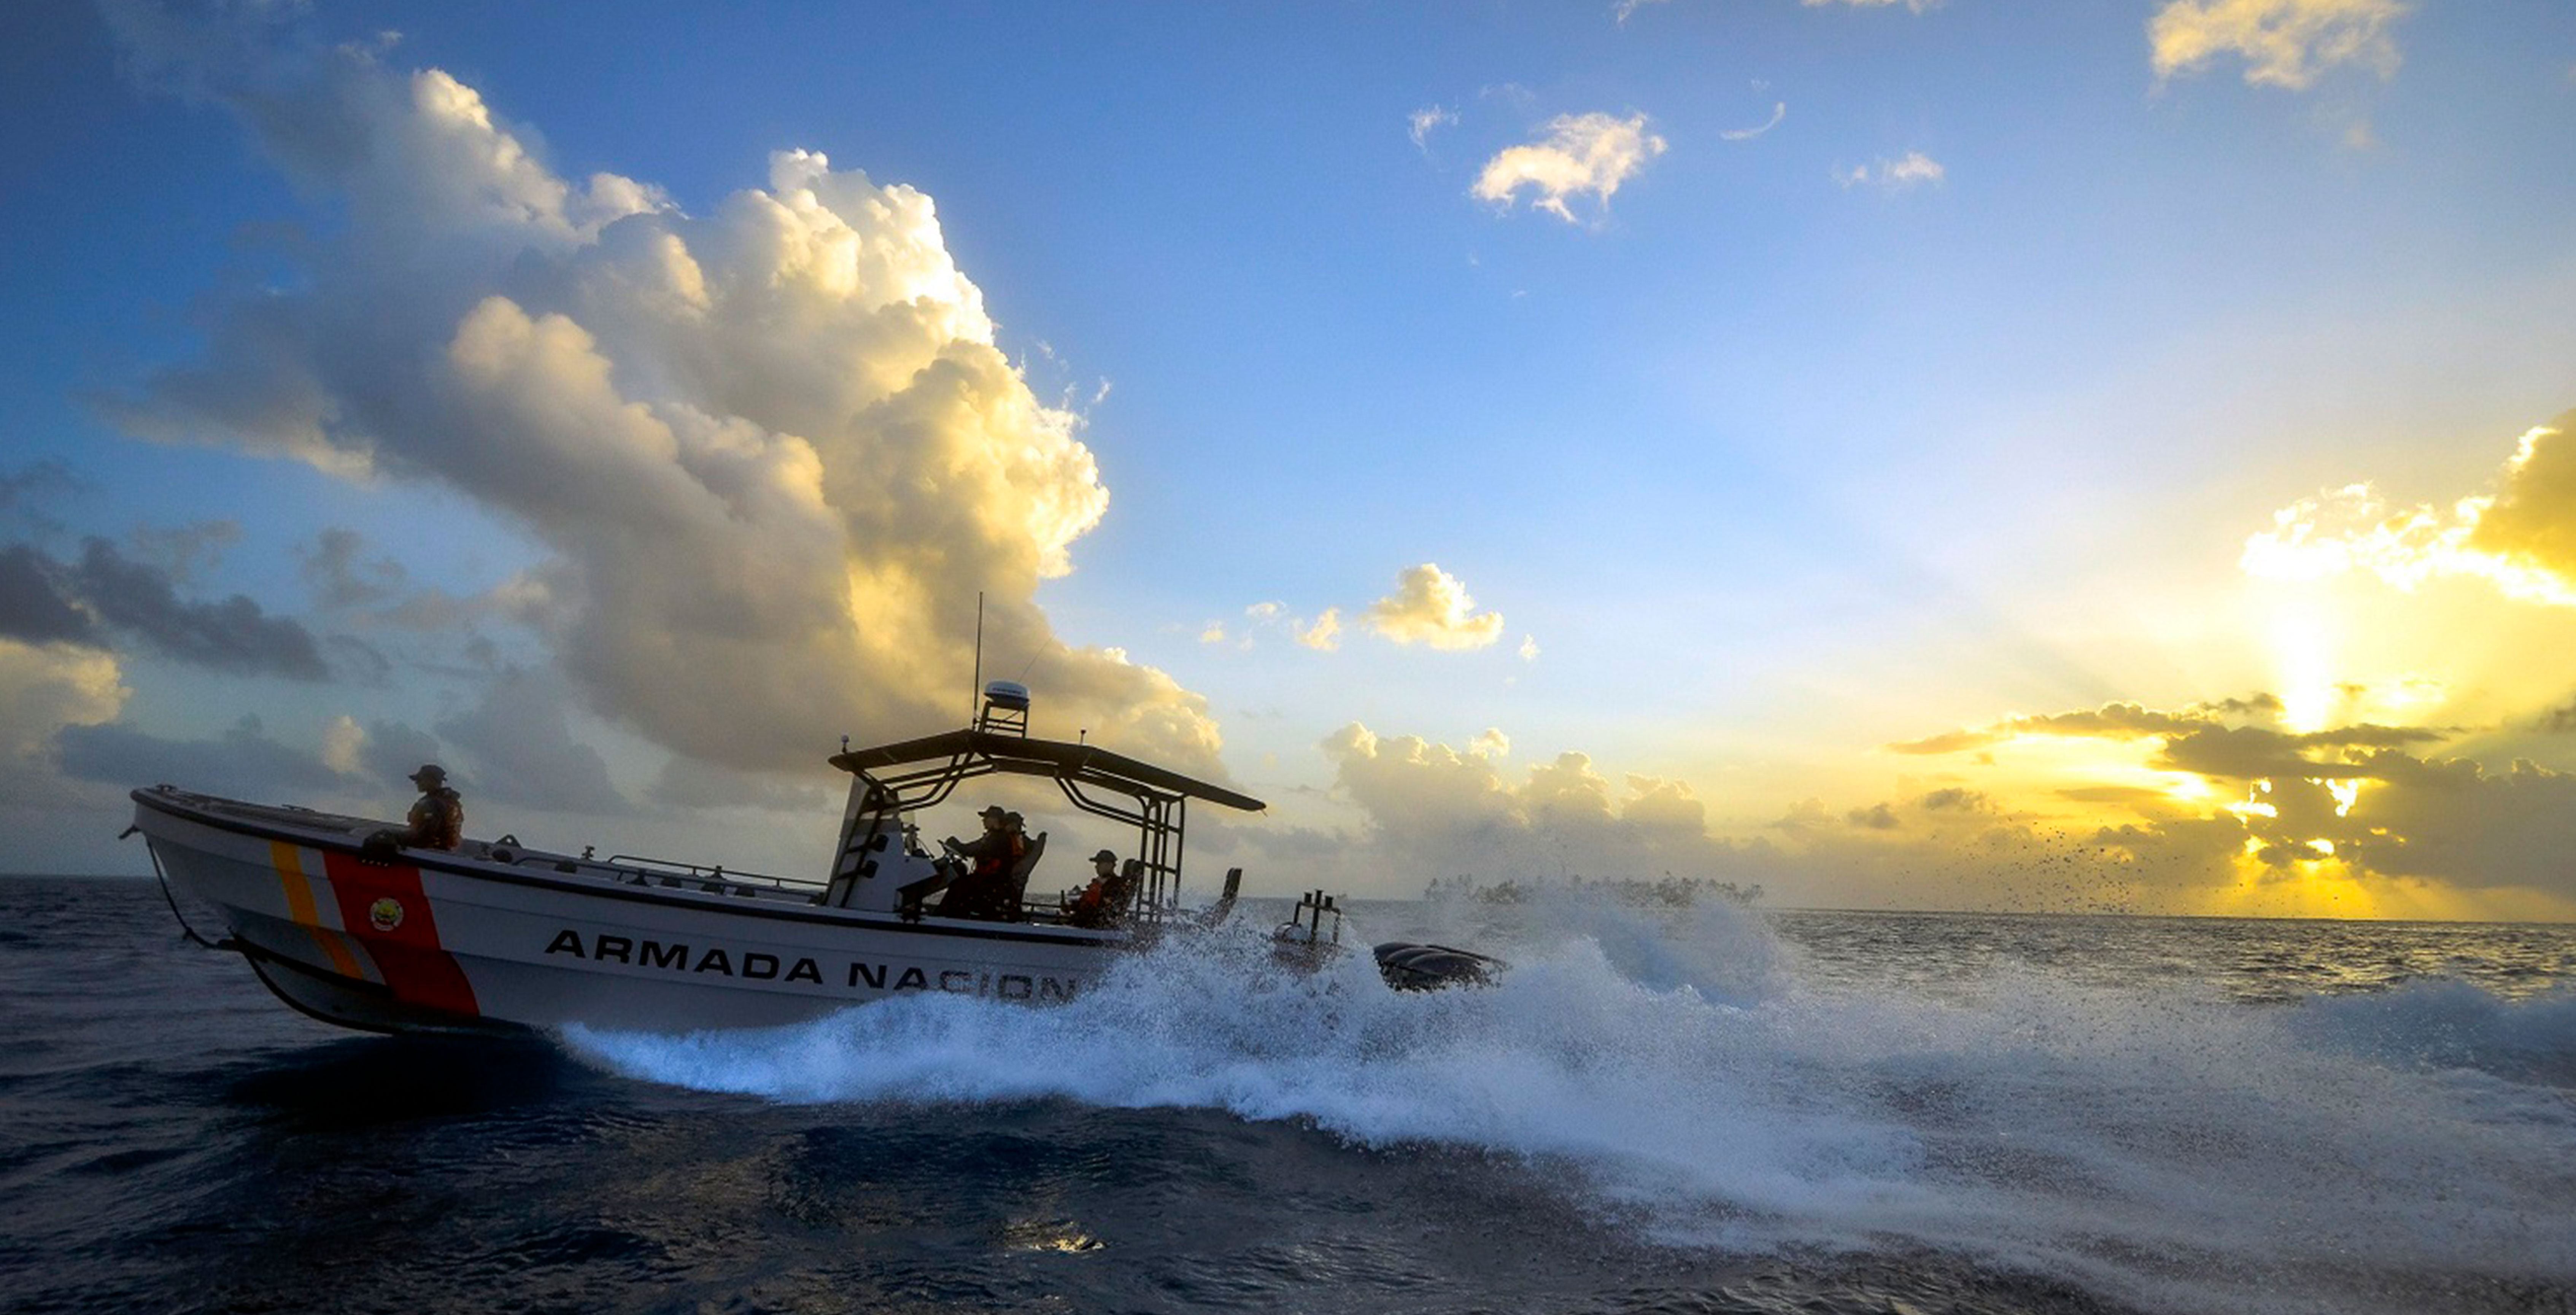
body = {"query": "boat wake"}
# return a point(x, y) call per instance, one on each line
point(2163, 1147)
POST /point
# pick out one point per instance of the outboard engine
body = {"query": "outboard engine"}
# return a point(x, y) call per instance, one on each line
point(1306, 941)
point(1313, 934)
point(1408, 966)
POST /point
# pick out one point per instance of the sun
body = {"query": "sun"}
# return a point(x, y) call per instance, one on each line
point(2320, 887)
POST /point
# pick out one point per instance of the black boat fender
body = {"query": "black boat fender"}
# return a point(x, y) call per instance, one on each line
point(1409, 966)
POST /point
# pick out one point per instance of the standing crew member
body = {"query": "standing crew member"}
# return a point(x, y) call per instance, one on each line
point(438, 820)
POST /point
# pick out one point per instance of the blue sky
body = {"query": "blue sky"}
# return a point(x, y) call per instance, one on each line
point(1927, 368)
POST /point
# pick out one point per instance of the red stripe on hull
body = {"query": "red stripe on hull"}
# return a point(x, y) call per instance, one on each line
point(382, 905)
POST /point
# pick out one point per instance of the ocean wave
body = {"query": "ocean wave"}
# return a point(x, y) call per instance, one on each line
point(2441, 1024)
point(2166, 1146)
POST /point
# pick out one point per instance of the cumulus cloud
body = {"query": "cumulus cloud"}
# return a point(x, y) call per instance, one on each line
point(340, 580)
point(2234, 737)
point(1582, 155)
point(1436, 810)
point(25, 491)
point(2274, 811)
point(1326, 634)
point(1431, 606)
point(2455, 821)
point(2248, 753)
point(2358, 799)
point(45, 688)
point(359, 586)
point(1914, 169)
point(32, 603)
point(232, 635)
point(1323, 633)
point(343, 740)
point(2119, 721)
point(246, 761)
point(1876, 817)
point(2519, 537)
point(772, 452)
point(690, 783)
point(2560, 720)
point(45, 599)
point(181, 551)
point(391, 751)
point(2284, 43)
point(2398, 817)
point(73, 730)
point(2394, 823)
point(520, 746)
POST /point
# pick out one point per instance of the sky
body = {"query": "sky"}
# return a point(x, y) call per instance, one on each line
point(1969, 454)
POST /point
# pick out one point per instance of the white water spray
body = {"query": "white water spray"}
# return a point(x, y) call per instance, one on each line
point(2162, 1146)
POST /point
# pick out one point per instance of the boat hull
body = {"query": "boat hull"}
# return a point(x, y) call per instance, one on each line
point(498, 939)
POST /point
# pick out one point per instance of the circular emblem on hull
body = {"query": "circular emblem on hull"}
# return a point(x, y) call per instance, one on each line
point(385, 914)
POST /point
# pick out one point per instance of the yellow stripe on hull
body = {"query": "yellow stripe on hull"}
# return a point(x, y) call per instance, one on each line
point(304, 909)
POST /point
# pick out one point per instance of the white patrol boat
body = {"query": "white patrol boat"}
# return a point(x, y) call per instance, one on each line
point(347, 924)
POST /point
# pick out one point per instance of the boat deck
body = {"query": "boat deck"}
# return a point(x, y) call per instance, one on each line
point(622, 869)
point(343, 830)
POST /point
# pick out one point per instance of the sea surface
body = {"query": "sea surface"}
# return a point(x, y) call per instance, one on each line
point(1700, 1109)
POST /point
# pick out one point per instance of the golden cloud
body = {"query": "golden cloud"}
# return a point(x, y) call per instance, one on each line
point(2254, 753)
point(1431, 606)
point(2352, 799)
point(2521, 537)
point(2370, 830)
point(2117, 721)
point(772, 451)
point(2284, 43)
point(1326, 634)
point(45, 687)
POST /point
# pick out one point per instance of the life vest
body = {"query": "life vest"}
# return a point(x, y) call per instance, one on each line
point(438, 820)
point(1087, 905)
point(999, 861)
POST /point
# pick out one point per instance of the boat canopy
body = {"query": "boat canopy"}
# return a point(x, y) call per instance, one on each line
point(898, 780)
point(972, 752)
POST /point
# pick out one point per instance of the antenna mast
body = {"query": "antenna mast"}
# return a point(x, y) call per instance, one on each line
point(978, 691)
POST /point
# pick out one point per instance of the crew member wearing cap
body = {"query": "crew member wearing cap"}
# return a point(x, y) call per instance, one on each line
point(438, 820)
point(979, 893)
point(1091, 908)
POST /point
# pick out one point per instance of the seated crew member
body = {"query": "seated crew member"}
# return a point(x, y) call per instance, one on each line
point(438, 820)
point(1106, 901)
point(1015, 874)
point(1090, 908)
point(978, 894)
